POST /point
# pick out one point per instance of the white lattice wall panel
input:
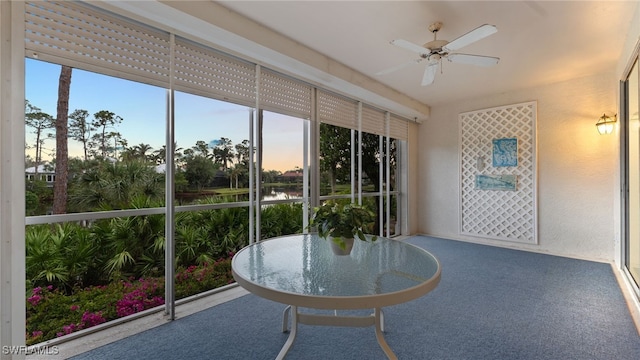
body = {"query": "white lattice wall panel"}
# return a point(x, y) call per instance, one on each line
point(499, 214)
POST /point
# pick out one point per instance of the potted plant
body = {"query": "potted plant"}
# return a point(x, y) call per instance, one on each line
point(341, 223)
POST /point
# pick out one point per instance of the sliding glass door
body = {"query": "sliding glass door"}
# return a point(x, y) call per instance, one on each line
point(630, 92)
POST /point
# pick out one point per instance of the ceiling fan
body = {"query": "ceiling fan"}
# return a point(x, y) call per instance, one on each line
point(436, 50)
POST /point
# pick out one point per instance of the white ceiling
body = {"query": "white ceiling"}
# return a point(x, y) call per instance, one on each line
point(538, 42)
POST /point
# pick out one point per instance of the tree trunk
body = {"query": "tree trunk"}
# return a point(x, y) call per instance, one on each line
point(35, 176)
point(62, 153)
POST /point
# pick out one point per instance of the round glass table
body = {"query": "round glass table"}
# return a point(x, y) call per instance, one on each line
point(302, 271)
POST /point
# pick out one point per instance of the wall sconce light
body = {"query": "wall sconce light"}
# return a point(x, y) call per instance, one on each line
point(605, 124)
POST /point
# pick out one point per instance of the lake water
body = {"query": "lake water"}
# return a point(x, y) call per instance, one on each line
point(267, 194)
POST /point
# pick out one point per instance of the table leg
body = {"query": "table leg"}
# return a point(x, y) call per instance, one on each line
point(380, 336)
point(381, 315)
point(285, 318)
point(293, 310)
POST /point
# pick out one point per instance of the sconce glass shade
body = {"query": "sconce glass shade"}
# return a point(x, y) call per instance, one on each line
point(605, 124)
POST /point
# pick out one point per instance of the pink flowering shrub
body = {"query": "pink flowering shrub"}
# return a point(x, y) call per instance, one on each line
point(52, 313)
point(37, 294)
point(141, 298)
point(90, 319)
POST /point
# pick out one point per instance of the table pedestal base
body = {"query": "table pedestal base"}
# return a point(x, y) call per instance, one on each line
point(377, 319)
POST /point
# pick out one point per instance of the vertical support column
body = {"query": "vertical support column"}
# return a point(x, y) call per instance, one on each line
point(354, 156)
point(259, 124)
point(387, 131)
point(306, 169)
point(359, 177)
point(314, 153)
point(403, 187)
point(381, 192)
point(169, 223)
point(251, 177)
point(12, 179)
point(621, 247)
point(256, 211)
point(305, 176)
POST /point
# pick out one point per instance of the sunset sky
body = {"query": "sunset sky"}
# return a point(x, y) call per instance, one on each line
point(143, 110)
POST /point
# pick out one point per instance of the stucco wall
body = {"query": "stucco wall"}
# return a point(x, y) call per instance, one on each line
point(576, 168)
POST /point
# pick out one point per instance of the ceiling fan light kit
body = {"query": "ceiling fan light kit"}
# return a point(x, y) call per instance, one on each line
point(436, 50)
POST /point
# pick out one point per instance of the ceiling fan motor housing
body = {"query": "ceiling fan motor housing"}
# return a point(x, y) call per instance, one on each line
point(435, 45)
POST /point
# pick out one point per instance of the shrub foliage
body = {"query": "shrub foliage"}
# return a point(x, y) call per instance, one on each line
point(80, 275)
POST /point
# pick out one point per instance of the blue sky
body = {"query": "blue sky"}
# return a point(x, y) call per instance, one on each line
point(143, 109)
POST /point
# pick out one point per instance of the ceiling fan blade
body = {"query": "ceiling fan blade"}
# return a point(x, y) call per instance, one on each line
point(410, 46)
point(479, 60)
point(398, 67)
point(472, 36)
point(430, 73)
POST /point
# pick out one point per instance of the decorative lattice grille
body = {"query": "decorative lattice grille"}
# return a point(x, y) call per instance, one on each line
point(498, 214)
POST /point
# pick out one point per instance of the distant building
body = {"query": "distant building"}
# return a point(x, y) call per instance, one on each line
point(45, 172)
point(161, 168)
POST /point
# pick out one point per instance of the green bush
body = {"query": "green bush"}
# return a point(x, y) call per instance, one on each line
point(281, 219)
point(197, 279)
point(81, 273)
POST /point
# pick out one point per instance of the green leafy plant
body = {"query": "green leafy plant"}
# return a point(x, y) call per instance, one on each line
point(340, 221)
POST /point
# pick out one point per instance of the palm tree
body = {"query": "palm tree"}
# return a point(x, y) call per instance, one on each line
point(223, 152)
point(242, 152)
point(114, 185)
point(159, 156)
point(141, 151)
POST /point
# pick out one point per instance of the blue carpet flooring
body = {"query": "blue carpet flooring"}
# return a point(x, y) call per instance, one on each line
point(491, 303)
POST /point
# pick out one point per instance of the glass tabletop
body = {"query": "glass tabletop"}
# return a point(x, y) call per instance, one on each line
point(305, 265)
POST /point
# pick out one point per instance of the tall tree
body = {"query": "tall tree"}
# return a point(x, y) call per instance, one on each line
point(40, 122)
point(199, 171)
point(335, 153)
point(80, 129)
point(160, 156)
point(242, 153)
point(62, 153)
point(223, 152)
point(202, 148)
point(103, 120)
